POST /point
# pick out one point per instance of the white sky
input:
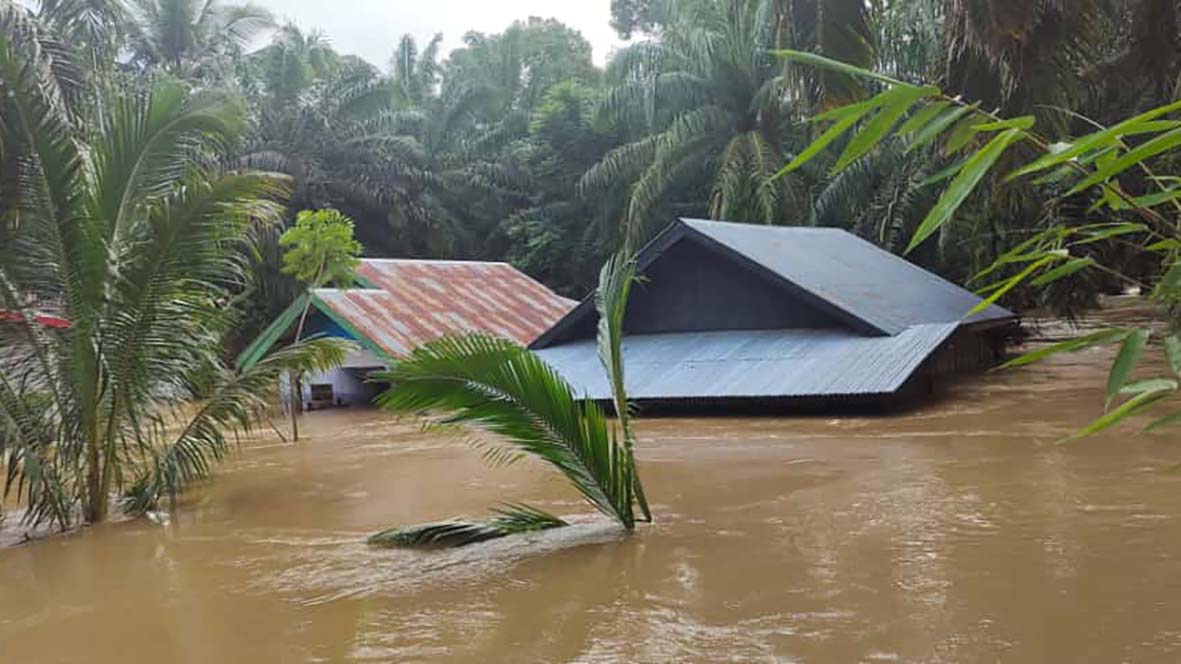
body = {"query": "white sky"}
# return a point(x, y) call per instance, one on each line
point(371, 28)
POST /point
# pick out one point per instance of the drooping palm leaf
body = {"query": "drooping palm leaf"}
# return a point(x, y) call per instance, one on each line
point(509, 520)
point(495, 385)
point(232, 408)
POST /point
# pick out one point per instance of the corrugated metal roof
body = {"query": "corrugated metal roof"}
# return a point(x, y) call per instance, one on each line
point(753, 364)
point(865, 281)
point(417, 301)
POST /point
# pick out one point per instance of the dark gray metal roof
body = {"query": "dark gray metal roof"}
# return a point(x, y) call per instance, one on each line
point(753, 364)
point(865, 282)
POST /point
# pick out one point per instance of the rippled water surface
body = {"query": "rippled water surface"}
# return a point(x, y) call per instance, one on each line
point(957, 533)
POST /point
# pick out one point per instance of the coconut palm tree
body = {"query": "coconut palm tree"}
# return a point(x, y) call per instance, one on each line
point(502, 389)
point(125, 227)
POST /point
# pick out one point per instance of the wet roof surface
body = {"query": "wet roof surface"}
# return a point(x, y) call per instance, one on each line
point(753, 364)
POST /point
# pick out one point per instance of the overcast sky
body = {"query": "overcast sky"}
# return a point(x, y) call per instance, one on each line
point(371, 28)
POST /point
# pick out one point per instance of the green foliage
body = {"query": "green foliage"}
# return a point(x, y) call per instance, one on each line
point(192, 37)
point(708, 109)
point(517, 147)
point(127, 227)
point(1096, 163)
point(499, 388)
point(321, 249)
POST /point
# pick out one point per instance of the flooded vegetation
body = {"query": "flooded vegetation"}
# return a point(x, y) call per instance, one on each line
point(959, 532)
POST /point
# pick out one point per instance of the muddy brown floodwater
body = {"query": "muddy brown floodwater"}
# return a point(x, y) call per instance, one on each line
point(957, 533)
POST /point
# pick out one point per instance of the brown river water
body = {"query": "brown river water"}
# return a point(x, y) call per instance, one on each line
point(956, 533)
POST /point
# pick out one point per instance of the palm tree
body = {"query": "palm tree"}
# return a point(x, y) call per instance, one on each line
point(94, 28)
point(502, 389)
point(128, 230)
point(193, 38)
point(713, 105)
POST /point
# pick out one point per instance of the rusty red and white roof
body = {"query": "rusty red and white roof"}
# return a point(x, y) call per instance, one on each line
point(411, 302)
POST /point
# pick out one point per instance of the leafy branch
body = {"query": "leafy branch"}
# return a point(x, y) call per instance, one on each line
point(1094, 163)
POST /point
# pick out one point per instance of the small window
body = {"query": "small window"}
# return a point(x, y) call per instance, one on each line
point(323, 393)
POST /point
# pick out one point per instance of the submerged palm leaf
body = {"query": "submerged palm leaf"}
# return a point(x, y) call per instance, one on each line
point(510, 520)
point(497, 386)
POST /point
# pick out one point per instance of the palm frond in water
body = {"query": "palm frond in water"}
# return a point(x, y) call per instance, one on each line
point(510, 520)
point(493, 385)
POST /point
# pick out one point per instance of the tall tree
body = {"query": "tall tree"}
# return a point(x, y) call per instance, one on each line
point(711, 108)
point(128, 229)
point(193, 38)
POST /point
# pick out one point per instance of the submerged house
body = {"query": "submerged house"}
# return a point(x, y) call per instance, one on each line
point(736, 315)
point(402, 304)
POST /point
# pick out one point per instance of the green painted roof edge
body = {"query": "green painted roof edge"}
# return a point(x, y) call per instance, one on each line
point(364, 282)
point(263, 343)
point(348, 327)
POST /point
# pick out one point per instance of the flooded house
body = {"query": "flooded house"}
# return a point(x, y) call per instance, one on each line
point(402, 304)
point(736, 316)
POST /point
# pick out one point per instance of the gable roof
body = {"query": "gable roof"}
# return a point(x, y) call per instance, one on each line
point(870, 290)
point(434, 298)
point(406, 303)
point(871, 284)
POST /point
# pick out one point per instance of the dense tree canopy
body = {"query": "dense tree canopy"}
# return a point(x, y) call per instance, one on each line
point(516, 146)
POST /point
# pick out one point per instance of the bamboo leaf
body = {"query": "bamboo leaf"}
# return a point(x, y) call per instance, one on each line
point(963, 185)
point(1160, 144)
point(1148, 200)
point(896, 102)
point(1170, 283)
point(942, 175)
point(1126, 361)
point(1063, 271)
point(822, 62)
point(920, 119)
point(1119, 414)
point(833, 133)
point(1008, 285)
point(1173, 353)
point(1166, 421)
point(1103, 138)
point(1168, 244)
point(1017, 254)
point(1068, 346)
point(1109, 232)
point(932, 129)
point(1149, 385)
point(961, 135)
point(1024, 123)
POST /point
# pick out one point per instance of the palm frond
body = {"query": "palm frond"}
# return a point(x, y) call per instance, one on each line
point(611, 298)
point(494, 385)
point(509, 520)
point(232, 408)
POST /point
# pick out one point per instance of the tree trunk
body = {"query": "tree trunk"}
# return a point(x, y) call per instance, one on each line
point(96, 496)
point(296, 404)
